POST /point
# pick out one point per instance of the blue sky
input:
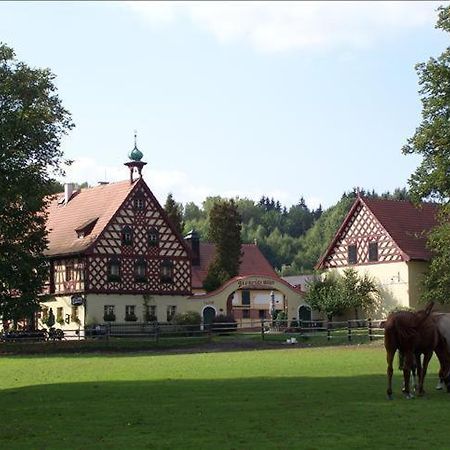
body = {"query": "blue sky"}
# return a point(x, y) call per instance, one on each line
point(235, 99)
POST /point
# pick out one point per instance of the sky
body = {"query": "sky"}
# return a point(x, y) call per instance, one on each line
point(282, 99)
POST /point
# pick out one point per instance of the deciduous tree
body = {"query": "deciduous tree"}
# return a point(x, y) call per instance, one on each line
point(32, 123)
point(431, 180)
point(225, 231)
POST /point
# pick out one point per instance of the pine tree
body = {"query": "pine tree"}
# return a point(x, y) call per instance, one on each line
point(174, 212)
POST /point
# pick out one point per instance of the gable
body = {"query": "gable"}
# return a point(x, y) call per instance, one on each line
point(141, 221)
point(360, 229)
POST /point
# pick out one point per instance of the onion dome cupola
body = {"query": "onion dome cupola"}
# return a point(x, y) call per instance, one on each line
point(135, 163)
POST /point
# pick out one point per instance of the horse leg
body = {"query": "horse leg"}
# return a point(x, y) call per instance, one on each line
point(407, 365)
point(415, 370)
point(444, 370)
point(426, 359)
point(440, 383)
point(390, 358)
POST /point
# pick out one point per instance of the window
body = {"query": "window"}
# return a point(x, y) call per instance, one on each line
point(246, 297)
point(171, 311)
point(150, 313)
point(59, 315)
point(130, 313)
point(246, 314)
point(262, 313)
point(351, 254)
point(166, 271)
point(140, 270)
point(114, 269)
point(69, 272)
point(373, 251)
point(153, 237)
point(139, 202)
point(74, 315)
point(109, 313)
point(127, 235)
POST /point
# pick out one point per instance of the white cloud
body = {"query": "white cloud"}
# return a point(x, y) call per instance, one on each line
point(282, 26)
point(161, 182)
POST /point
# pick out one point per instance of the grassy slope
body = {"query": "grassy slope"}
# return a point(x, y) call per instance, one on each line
point(278, 399)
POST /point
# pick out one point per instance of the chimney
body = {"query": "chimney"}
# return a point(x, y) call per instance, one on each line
point(68, 191)
point(193, 240)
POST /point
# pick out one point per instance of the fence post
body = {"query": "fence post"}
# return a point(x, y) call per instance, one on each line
point(369, 326)
point(349, 330)
point(329, 330)
point(209, 331)
point(156, 325)
point(262, 329)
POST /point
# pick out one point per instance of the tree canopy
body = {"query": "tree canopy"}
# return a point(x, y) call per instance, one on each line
point(174, 211)
point(431, 180)
point(225, 232)
point(32, 122)
point(334, 294)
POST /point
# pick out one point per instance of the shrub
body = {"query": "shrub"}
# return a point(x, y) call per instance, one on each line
point(187, 318)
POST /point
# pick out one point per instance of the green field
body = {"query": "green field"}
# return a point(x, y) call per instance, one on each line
point(308, 398)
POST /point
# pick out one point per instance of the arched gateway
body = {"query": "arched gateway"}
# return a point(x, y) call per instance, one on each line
point(249, 297)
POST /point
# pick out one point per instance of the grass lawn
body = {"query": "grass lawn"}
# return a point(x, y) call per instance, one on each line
point(308, 398)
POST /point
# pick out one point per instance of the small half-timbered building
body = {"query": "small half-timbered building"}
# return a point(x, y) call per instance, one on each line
point(387, 240)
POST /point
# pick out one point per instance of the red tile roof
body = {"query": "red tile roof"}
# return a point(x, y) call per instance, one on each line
point(406, 224)
point(253, 262)
point(99, 202)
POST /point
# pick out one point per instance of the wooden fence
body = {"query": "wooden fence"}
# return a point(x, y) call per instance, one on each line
point(156, 330)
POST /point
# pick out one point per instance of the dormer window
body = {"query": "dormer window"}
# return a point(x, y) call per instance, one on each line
point(114, 269)
point(373, 251)
point(153, 237)
point(351, 254)
point(140, 270)
point(166, 271)
point(127, 235)
point(86, 228)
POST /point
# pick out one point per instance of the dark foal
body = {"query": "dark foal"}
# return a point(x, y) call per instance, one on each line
point(413, 334)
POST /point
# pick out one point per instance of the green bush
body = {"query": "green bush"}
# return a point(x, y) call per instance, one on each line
point(187, 318)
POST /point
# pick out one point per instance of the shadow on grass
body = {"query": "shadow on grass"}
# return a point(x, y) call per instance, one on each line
point(272, 413)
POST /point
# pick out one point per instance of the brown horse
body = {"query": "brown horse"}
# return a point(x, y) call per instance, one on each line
point(413, 334)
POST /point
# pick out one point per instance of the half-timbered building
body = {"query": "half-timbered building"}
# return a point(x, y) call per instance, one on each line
point(113, 253)
point(114, 256)
point(387, 240)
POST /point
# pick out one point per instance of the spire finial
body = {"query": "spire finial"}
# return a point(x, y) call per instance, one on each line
point(135, 159)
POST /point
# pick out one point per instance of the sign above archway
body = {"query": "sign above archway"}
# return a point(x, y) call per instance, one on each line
point(256, 283)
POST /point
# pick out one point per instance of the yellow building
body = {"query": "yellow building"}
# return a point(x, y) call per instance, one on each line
point(387, 240)
point(114, 256)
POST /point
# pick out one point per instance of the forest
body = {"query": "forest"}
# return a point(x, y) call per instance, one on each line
point(292, 239)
